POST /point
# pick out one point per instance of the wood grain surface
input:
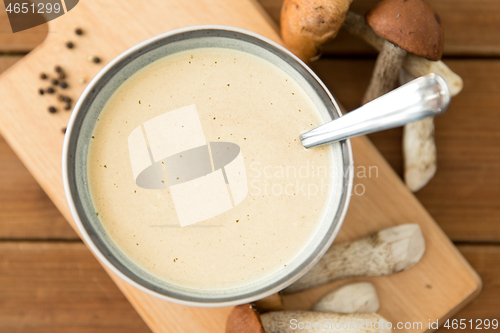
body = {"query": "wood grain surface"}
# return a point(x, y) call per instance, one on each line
point(484, 258)
point(60, 287)
point(25, 210)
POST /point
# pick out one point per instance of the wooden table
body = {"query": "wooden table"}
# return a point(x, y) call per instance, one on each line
point(50, 282)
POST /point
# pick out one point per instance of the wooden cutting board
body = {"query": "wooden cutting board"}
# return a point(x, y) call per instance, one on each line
point(436, 288)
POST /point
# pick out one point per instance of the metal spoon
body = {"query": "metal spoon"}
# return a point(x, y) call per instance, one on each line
point(426, 96)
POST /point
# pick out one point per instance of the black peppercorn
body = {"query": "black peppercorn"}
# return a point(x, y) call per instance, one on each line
point(60, 97)
point(70, 45)
point(43, 76)
point(67, 99)
point(67, 107)
point(52, 109)
point(63, 84)
point(62, 76)
point(58, 69)
point(40, 91)
point(49, 90)
point(54, 82)
point(96, 60)
point(79, 31)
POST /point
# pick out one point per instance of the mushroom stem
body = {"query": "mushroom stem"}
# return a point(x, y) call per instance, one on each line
point(244, 319)
point(360, 297)
point(419, 152)
point(419, 148)
point(415, 65)
point(288, 322)
point(382, 253)
point(356, 25)
point(418, 66)
point(385, 74)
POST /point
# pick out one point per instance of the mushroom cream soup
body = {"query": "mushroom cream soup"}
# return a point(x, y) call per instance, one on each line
point(197, 172)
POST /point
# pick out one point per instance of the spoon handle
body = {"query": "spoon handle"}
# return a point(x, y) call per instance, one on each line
point(426, 96)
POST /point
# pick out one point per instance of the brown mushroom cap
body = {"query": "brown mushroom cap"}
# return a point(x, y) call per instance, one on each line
point(413, 25)
point(307, 24)
point(244, 319)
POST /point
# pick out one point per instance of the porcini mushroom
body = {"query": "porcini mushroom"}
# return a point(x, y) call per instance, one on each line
point(407, 26)
point(359, 297)
point(244, 319)
point(304, 32)
point(419, 148)
point(382, 253)
point(417, 66)
point(308, 24)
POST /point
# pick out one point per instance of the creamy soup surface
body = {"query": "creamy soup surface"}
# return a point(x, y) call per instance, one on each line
point(239, 98)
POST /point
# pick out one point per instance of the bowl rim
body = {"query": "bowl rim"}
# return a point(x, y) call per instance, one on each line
point(347, 163)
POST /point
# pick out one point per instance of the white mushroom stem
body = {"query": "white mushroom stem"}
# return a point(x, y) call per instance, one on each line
point(386, 71)
point(418, 66)
point(415, 65)
point(310, 321)
point(360, 297)
point(419, 148)
point(382, 253)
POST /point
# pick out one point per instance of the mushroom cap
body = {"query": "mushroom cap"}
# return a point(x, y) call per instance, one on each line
point(244, 319)
point(413, 25)
point(308, 24)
